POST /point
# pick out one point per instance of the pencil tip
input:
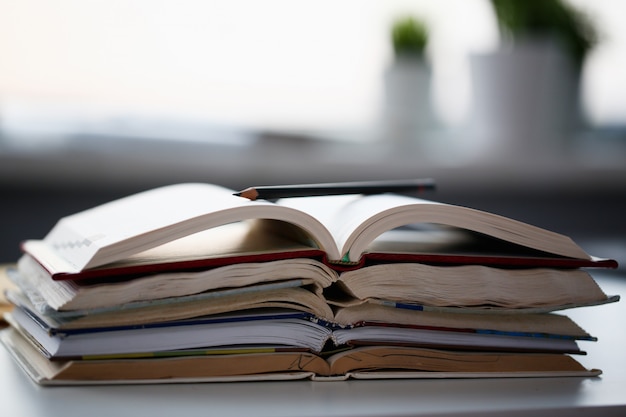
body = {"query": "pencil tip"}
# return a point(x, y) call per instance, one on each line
point(249, 193)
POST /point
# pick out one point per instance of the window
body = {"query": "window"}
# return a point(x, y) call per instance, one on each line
point(312, 66)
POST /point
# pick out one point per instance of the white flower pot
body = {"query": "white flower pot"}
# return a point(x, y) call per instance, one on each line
point(408, 113)
point(525, 100)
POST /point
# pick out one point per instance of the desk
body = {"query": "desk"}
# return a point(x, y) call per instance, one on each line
point(603, 396)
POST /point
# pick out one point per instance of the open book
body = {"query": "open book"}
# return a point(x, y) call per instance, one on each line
point(179, 227)
point(267, 363)
point(278, 327)
point(307, 285)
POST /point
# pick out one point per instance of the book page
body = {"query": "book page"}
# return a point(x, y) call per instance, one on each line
point(78, 237)
point(356, 221)
point(490, 287)
point(407, 358)
point(121, 228)
point(345, 215)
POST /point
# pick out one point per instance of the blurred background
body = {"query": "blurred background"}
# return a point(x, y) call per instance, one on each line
point(516, 107)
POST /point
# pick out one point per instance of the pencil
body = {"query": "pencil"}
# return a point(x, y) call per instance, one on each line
point(273, 192)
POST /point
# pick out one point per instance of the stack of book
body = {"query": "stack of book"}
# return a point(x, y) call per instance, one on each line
point(192, 282)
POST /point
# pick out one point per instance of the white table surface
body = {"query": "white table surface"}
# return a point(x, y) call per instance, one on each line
point(601, 396)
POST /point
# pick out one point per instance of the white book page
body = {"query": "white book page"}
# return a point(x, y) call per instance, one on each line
point(118, 229)
point(348, 216)
point(356, 221)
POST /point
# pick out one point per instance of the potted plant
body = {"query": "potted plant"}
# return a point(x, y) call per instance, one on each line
point(408, 111)
point(409, 38)
point(526, 94)
point(572, 29)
